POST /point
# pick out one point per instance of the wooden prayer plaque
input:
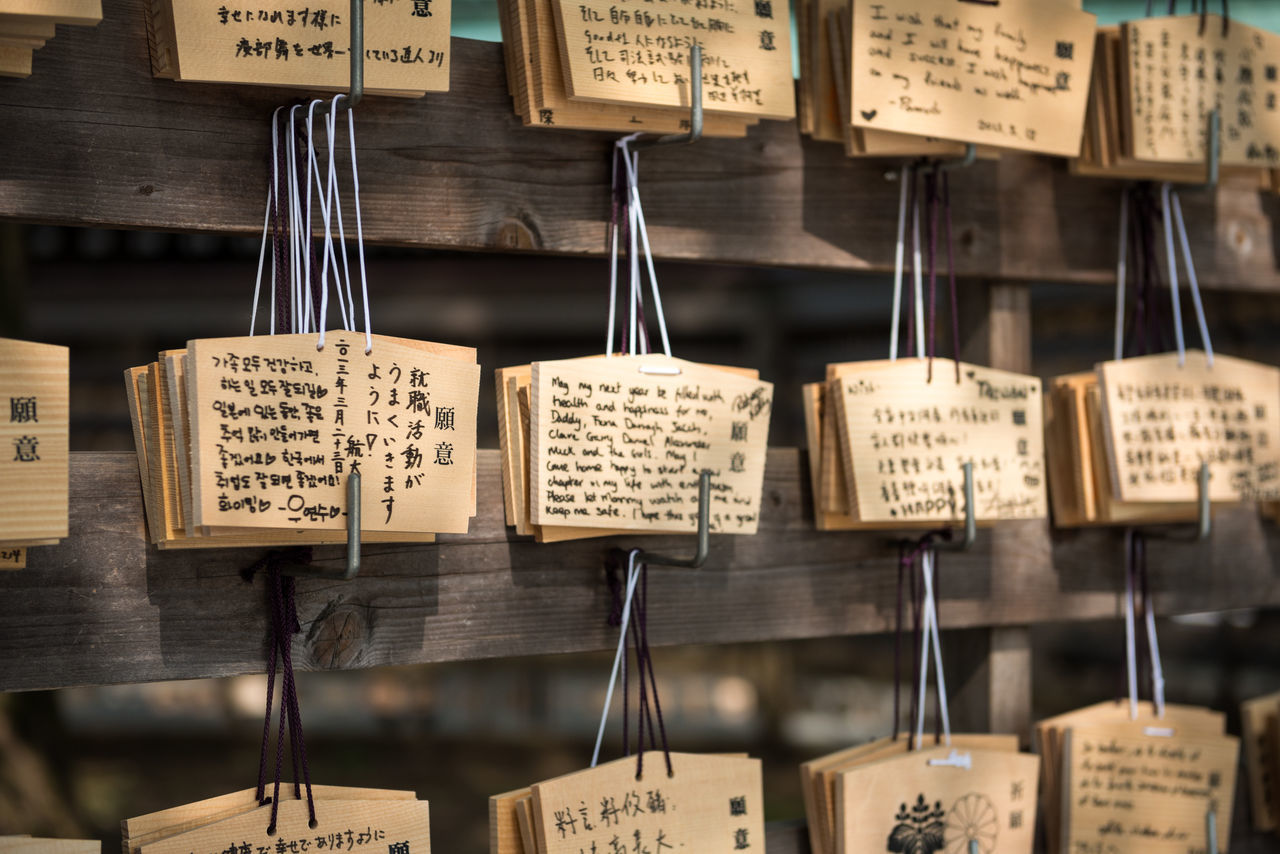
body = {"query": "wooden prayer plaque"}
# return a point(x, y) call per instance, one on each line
point(365, 827)
point(709, 805)
point(34, 388)
point(406, 44)
point(906, 804)
point(1161, 421)
point(1014, 75)
point(904, 439)
point(13, 558)
point(1256, 716)
point(1129, 793)
point(277, 425)
point(621, 442)
point(1174, 77)
point(637, 52)
point(28, 845)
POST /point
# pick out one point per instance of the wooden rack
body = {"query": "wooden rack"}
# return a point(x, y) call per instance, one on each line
point(93, 139)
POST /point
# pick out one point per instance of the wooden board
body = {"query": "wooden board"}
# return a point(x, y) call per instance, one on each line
point(1234, 70)
point(13, 557)
point(1014, 75)
point(28, 845)
point(904, 436)
point(406, 46)
point(504, 824)
point(34, 389)
point(82, 12)
point(711, 804)
point(1163, 420)
point(267, 411)
point(1256, 742)
point(906, 800)
point(490, 593)
point(621, 442)
point(638, 53)
point(1141, 794)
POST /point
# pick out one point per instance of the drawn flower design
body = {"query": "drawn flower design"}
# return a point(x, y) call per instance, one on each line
point(919, 829)
point(971, 818)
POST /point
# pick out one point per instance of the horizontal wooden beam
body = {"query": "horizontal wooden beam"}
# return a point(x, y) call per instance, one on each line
point(105, 607)
point(92, 139)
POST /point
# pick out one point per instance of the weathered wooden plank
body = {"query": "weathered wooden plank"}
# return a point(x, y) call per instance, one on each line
point(91, 138)
point(104, 607)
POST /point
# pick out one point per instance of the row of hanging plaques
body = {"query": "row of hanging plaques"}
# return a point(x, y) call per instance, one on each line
point(924, 79)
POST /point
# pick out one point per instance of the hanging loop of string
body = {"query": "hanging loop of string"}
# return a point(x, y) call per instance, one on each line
point(899, 260)
point(630, 161)
point(1171, 212)
point(930, 639)
point(1137, 582)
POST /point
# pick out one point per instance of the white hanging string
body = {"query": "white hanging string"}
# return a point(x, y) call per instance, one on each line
point(1192, 280)
point(266, 219)
point(1122, 273)
point(633, 574)
point(1166, 211)
point(1157, 669)
point(613, 261)
point(930, 638)
point(899, 259)
point(1130, 633)
point(918, 275)
point(295, 221)
point(331, 127)
point(355, 194)
point(327, 257)
point(632, 165)
point(305, 241)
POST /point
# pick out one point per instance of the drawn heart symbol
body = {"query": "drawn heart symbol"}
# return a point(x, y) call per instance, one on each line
point(868, 114)
point(971, 374)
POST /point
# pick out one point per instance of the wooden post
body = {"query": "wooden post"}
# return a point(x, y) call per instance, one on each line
point(992, 682)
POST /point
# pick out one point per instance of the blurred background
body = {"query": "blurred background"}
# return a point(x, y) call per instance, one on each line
point(75, 762)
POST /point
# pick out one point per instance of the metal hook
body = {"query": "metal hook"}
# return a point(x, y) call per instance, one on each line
point(353, 541)
point(695, 109)
point(1204, 515)
point(1211, 831)
point(357, 61)
point(973, 847)
point(704, 532)
point(970, 520)
point(970, 156)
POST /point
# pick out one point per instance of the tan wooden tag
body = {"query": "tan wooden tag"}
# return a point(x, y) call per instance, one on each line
point(504, 822)
point(710, 804)
point(13, 558)
point(904, 440)
point(163, 824)
point(1255, 718)
point(635, 52)
point(28, 845)
point(83, 12)
point(908, 804)
point(620, 443)
point(277, 425)
point(1235, 70)
point(34, 387)
point(364, 827)
point(1014, 75)
point(1130, 793)
point(1162, 420)
point(406, 44)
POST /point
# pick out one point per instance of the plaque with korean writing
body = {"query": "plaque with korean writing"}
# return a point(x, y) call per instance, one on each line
point(637, 52)
point(907, 804)
point(359, 827)
point(621, 443)
point(904, 439)
point(277, 426)
point(709, 804)
point(1162, 421)
point(263, 42)
point(34, 386)
point(1175, 75)
point(1130, 793)
point(1013, 74)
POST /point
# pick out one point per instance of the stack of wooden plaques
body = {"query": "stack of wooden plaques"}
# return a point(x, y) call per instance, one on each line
point(836, 789)
point(406, 44)
point(646, 58)
point(824, 100)
point(887, 441)
point(1260, 721)
point(1108, 148)
point(1125, 441)
point(25, 26)
point(707, 804)
point(249, 441)
point(599, 446)
point(361, 821)
point(1133, 783)
point(35, 385)
point(28, 845)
